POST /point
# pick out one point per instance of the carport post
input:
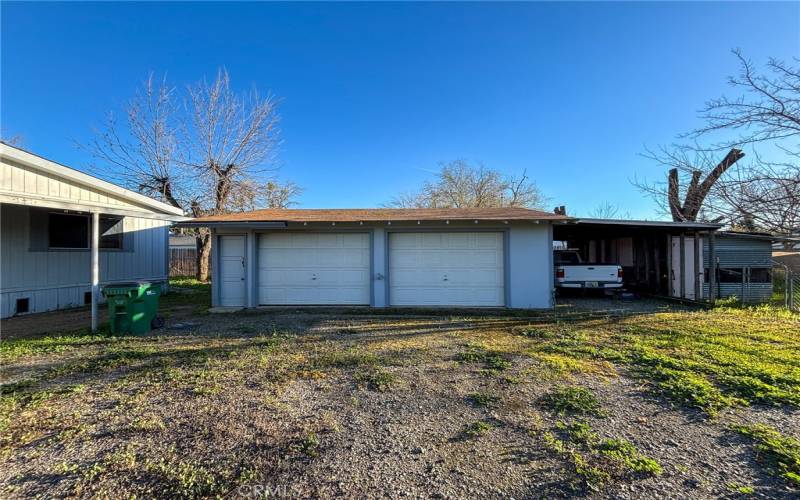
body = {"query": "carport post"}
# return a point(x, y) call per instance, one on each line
point(712, 267)
point(95, 267)
point(682, 254)
point(697, 266)
point(670, 270)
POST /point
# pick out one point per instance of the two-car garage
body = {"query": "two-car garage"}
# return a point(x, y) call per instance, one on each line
point(425, 268)
point(383, 258)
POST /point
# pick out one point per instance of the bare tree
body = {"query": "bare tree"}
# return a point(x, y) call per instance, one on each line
point(144, 152)
point(272, 194)
point(608, 210)
point(765, 194)
point(459, 184)
point(210, 155)
point(768, 108)
point(758, 193)
point(691, 178)
point(231, 138)
point(12, 140)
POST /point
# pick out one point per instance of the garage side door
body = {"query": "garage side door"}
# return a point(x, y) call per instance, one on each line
point(313, 268)
point(446, 269)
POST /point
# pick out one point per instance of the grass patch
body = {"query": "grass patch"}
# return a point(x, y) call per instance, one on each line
point(308, 445)
point(742, 489)
point(598, 462)
point(781, 453)
point(573, 400)
point(483, 399)
point(11, 350)
point(492, 360)
point(628, 457)
point(710, 360)
point(477, 429)
point(376, 379)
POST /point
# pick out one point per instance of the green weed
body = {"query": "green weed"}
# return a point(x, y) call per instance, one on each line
point(376, 379)
point(574, 400)
point(626, 455)
point(492, 360)
point(476, 429)
point(782, 453)
point(483, 399)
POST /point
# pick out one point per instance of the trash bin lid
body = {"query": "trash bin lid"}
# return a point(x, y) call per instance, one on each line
point(128, 284)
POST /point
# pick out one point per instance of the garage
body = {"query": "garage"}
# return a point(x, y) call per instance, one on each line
point(384, 257)
point(314, 268)
point(446, 269)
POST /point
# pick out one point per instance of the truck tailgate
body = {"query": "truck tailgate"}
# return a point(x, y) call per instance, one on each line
point(589, 272)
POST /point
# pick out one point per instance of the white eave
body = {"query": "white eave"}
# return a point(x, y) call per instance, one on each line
point(50, 167)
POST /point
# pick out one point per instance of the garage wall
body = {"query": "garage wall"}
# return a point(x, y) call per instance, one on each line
point(528, 255)
point(530, 266)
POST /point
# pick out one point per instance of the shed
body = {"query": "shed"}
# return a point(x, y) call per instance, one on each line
point(743, 264)
point(63, 233)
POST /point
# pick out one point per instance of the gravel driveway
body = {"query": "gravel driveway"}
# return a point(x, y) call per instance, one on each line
point(320, 404)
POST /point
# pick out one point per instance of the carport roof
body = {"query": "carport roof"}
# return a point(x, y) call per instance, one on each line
point(379, 215)
point(650, 223)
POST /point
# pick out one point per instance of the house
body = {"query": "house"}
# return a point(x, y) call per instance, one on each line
point(493, 257)
point(63, 233)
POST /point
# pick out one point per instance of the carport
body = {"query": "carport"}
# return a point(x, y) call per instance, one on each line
point(658, 258)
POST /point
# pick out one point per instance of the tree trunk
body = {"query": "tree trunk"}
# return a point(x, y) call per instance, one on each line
point(203, 241)
point(696, 192)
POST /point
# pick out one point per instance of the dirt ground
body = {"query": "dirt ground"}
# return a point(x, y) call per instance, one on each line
point(323, 404)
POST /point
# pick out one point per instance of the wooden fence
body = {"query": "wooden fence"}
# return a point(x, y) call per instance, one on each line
point(182, 262)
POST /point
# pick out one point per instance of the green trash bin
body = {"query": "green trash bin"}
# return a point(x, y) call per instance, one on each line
point(132, 307)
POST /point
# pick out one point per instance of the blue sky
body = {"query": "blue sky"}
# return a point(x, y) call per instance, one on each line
point(375, 95)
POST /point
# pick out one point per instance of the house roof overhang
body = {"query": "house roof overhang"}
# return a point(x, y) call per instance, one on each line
point(141, 205)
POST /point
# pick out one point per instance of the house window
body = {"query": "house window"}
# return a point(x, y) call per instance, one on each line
point(110, 232)
point(68, 231)
point(730, 275)
point(760, 275)
point(72, 231)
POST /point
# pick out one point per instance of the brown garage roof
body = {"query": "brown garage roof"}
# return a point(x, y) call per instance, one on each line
point(380, 214)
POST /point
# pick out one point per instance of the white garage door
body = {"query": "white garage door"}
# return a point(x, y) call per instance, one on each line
point(446, 269)
point(313, 268)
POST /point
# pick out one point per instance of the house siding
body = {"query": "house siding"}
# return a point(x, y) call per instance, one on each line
point(56, 279)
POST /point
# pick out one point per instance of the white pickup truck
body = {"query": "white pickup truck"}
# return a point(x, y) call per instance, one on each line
point(571, 272)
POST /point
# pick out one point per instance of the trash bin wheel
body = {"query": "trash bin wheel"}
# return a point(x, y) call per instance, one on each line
point(158, 322)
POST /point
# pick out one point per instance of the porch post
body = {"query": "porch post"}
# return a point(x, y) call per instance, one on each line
point(95, 267)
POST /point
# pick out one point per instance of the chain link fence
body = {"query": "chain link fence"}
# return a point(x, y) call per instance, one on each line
point(786, 287)
point(793, 291)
